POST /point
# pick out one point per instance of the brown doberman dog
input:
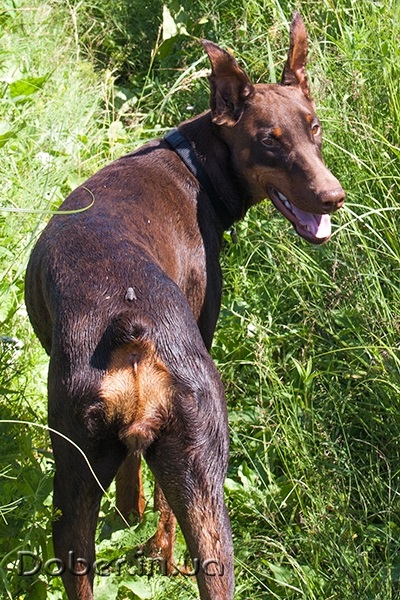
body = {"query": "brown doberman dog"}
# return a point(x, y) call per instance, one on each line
point(125, 296)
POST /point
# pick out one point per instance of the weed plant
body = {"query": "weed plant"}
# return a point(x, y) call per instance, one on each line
point(308, 339)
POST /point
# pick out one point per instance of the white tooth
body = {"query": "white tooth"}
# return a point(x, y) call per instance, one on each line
point(284, 200)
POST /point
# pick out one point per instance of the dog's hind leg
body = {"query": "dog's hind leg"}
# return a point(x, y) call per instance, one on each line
point(189, 461)
point(76, 498)
point(130, 496)
point(162, 542)
point(131, 504)
point(80, 479)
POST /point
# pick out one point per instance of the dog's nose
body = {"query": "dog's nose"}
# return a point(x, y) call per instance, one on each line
point(332, 199)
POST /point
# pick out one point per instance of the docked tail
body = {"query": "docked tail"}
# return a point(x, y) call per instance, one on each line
point(136, 391)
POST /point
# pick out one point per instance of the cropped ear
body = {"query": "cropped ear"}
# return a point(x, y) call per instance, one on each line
point(230, 86)
point(294, 72)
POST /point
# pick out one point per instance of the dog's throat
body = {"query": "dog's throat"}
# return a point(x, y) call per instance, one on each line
point(186, 153)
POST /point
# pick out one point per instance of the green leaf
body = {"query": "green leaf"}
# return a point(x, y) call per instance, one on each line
point(38, 591)
point(166, 47)
point(138, 588)
point(172, 28)
point(232, 486)
point(26, 87)
point(169, 28)
point(282, 575)
point(4, 391)
point(106, 590)
point(7, 132)
point(74, 180)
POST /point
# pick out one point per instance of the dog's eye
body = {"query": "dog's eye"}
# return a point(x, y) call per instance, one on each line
point(315, 129)
point(269, 141)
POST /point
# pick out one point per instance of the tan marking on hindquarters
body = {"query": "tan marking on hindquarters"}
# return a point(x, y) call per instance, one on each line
point(136, 393)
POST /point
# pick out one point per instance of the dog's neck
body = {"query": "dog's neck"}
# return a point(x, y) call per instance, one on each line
point(213, 156)
point(186, 153)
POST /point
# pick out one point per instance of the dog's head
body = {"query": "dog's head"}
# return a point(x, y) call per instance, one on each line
point(275, 137)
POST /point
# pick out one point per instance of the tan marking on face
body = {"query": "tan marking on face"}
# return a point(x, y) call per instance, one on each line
point(136, 393)
point(309, 119)
point(277, 132)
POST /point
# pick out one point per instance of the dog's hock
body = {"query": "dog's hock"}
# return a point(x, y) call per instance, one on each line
point(294, 72)
point(229, 83)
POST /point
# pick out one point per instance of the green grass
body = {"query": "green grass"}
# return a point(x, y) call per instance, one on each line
point(308, 339)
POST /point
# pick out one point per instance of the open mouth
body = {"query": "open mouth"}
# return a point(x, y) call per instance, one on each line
point(314, 228)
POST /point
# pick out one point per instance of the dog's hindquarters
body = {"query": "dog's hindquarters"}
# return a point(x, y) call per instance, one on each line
point(180, 424)
point(145, 385)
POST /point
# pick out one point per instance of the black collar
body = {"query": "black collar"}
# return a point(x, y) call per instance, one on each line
point(186, 153)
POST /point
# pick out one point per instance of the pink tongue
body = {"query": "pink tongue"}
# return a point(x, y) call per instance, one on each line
point(318, 225)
